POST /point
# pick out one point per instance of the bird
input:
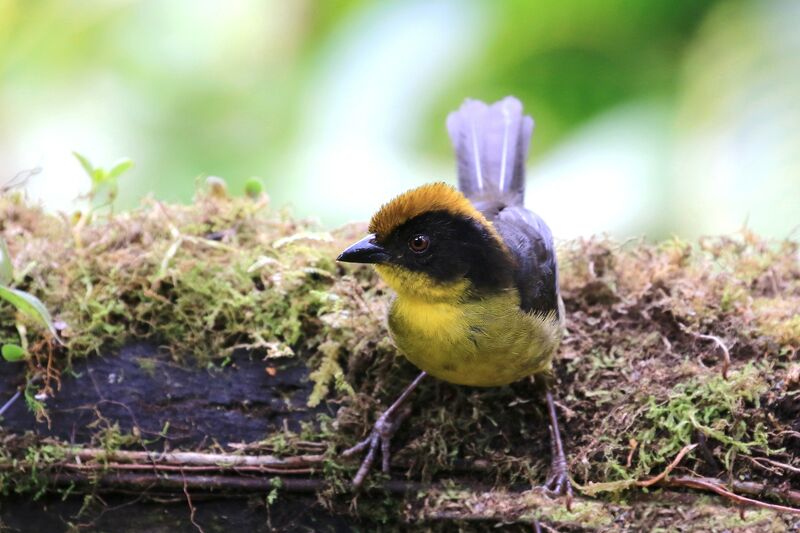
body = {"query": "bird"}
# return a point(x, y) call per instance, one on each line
point(474, 273)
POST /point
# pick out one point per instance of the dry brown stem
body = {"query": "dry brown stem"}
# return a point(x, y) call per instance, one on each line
point(719, 487)
point(185, 459)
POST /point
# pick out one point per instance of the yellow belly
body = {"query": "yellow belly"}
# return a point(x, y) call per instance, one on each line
point(482, 342)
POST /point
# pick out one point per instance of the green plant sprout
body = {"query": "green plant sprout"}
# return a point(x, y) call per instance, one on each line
point(25, 303)
point(105, 182)
point(254, 188)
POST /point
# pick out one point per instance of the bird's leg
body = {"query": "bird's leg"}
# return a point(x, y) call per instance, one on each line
point(558, 482)
point(381, 434)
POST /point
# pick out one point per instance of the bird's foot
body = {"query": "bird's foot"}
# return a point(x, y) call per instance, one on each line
point(380, 437)
point(558, 483)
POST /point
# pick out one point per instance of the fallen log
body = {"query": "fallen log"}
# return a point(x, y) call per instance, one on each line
point(209, 382)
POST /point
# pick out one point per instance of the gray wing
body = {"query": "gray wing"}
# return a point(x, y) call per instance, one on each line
point(531, 242)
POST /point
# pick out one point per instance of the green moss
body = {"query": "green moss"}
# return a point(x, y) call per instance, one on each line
point(329, 370)
point(209, 278)
point(635, 381)
point(779, 317)
point(752, 520)
point(147, 364)
point(713, 406)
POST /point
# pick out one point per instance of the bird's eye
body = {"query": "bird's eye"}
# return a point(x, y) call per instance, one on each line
point(419, 243)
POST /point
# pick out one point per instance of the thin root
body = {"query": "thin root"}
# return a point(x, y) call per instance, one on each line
point(726, 354)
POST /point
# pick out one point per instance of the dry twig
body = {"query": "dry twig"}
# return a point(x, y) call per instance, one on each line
point(718, 486)
point(777, 464)
point(216, 460)
point(660, 477)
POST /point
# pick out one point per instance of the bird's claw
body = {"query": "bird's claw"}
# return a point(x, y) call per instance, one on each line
point(380, 436)
point(558, 482)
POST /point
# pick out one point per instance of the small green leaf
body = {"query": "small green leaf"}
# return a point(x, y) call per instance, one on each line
point(6, 267)
point(99, 176)
point(13, 353)
point(31, 306)
point(87, 166)
point(123, 165)
point(253, 188)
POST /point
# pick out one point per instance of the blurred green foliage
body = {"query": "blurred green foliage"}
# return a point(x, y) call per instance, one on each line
point(189, 89)
point(571, 60)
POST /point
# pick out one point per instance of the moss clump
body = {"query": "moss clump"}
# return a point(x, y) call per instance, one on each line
point(636, 365)
point(221, 274)
point(711, 406)
point(636, 378)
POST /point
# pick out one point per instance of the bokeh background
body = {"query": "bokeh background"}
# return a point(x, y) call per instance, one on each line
point(652, 118)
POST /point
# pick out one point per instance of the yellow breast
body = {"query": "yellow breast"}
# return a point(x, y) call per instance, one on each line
point(464, 339)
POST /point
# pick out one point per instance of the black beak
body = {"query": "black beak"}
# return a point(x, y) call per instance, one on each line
point(365, 251)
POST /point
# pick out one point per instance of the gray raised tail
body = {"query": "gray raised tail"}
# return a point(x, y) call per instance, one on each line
point(491, 144)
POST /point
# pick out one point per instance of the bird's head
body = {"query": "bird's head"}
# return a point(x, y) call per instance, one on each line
point(432, 243)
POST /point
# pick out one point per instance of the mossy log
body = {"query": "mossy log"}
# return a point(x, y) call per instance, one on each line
point(217, 359)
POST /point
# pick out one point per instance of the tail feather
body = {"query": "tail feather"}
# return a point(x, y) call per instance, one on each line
point(491, 144)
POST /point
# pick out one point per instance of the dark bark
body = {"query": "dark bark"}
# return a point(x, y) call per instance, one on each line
point(141, 387)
